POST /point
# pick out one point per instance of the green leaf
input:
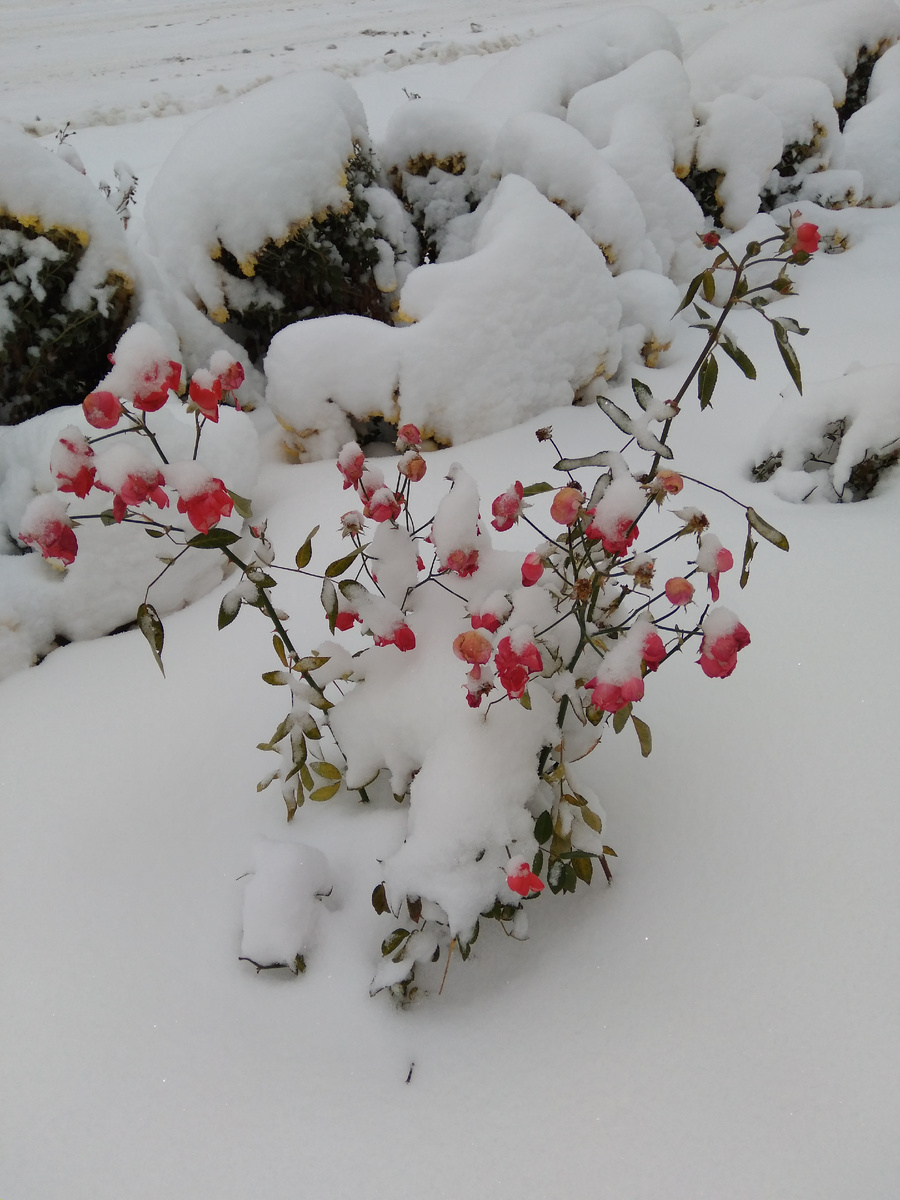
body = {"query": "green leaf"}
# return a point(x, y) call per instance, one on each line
point(327, 770)
point(737, 356)
point(465, 948)
point(353, 591)
point(543, 828)
point(591, 819)
point(304, 554)
point(227, 612)
point(764, 529)
point(279, 735)
point(789, 357)
point(617, 415)
point(793, 326)
point(152, 628)
point(310, 663)
point(329, 601)
point(397, 938)
point(573, 464)
point(708, 283)
point(276, 678)
point(414, 908)
point(701, 312)
point(749, 548)
point(154, 533)
point(216, 539)
point(242, 505)
point(642, 729)
point(340, 565)
point(324, 793)
point(691, 292)
point(583, 867)
point(706, 381)
point(279, 649)
point(525, 700)
point(379, 900)
point(306, 778)
point(537, 863)
point(642, 393)
point(107, 517)
point(535, 489)
point(620, 719)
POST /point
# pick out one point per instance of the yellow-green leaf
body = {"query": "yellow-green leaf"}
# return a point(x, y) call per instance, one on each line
point(642, 729)
point(325, 793)
point(764, 529)
point(327, 770)
point(304, 554)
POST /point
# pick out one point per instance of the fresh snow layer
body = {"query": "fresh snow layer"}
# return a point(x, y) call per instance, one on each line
point(722, 1021)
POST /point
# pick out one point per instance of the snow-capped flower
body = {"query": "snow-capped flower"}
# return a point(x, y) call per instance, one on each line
point(401, 636)
point(713, 559)
point(351, 463)
point(157, 381)
point(412, 466)
point(71, 462)
point(670, 481)
point(723, 637)
point(610, 697)
point(138, 487)
point(532, 569)
point(485, 620)
point(515, 665)
point(206, 506)
point(521, 879)
point(352, 523)
point(46, 524)
point(102, 410)
point(346, 619)
point(205, 394)
point(231, 378)
point(473, 648)
point(679, 591)
point(566, 505)
point(462, 562)
point(383, 505)
point(507, 507)
point(617, 537)
point(407, 436)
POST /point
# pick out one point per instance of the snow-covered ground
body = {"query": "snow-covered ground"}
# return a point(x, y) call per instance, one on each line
point(720, 1024)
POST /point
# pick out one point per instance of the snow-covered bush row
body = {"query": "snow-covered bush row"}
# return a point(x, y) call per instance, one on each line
point(47, 471)
point(66, 280)
point(267, 211)
point(601, 120)
point(525, 316)
point(835, 441)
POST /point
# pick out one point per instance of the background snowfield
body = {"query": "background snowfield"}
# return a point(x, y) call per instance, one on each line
point(720, 1024)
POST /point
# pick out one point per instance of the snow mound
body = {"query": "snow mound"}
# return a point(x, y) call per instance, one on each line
point(281, 903)
point(835, 440)
point(543, 75)
point(533, 305)
point(297, 133)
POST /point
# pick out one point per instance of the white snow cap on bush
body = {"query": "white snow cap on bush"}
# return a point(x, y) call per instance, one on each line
point(866, 399)
point(281, 901)
point(251, 171)
point(42, 191)
point(742, 139)
point(543, 75)
point(821, 41)
point(659, 82)
point(515, 328)
point(566, 168)
point(871, 139)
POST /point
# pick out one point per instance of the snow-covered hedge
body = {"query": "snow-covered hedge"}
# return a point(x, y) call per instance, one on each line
point(269, 211)
point(66, 280)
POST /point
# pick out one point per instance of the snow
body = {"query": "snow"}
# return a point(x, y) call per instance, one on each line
point(722, 1020)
